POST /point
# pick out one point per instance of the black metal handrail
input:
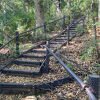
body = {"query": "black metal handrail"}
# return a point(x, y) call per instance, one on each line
point(7, 43)
point(42, 25)
point(31, 30)
point(83, 85)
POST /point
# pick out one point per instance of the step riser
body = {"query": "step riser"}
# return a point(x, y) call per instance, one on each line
point(33, 56)
point(15, 72)
point(61, 38)
point(54, 46)
point(73, 29)
point(56, 42)
point(27, 62)
point(72, 32)
point(38, 51)
point(34, 88)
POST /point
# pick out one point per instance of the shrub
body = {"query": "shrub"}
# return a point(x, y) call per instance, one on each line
point(80, 30)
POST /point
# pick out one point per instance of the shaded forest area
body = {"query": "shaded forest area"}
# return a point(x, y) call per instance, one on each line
point(19, 16)
point(22, 15)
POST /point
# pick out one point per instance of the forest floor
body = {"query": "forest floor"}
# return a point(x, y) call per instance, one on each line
point(69, 91)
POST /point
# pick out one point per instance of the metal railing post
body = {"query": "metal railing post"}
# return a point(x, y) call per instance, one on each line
point(83, 25)
point(17, 43)
point(63, 23)
point(69, 20)
point(47, 57)
point(67, 35)
point(45, 29)
point(94, 83)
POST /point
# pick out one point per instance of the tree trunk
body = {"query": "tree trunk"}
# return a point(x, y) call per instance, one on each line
point(39, 12)
point(99, 11)
point(94, 28)
point(98, 27)
point(5, 34)
point(58, 10)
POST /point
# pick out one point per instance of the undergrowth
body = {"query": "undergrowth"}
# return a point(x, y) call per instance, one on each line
point(89, 52)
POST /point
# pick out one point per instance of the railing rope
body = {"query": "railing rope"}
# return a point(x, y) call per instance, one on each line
point(47, 57)
point(17, 43)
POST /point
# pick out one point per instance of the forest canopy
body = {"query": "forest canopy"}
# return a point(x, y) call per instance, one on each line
point(21, 15)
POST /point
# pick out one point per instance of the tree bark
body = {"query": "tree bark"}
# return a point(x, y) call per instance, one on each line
point(99, 11)
point(5, 34)
point(58, 10)
point(39, 12)
point(94, 28)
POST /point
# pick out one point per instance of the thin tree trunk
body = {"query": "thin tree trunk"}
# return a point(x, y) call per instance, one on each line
point(4, 12)
point(99, 11)
point(94, 28)
point(39, 12)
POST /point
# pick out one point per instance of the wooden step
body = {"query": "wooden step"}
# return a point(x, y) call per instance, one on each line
point(61, 38)
point(56, 42)
point(21, 62)
point(20, 72)
point(39, 51)
point(33, 87)
point(72, 28)
point(73, 32)
point(54, 46)
point(32, 56)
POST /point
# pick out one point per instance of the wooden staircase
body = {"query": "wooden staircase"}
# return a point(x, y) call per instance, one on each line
point(33, 64)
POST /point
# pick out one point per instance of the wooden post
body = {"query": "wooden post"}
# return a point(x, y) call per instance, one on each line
point(83, 24)
point(47, 57)
point(67, 35)
point(0, 89)
point(63, 23)
point(17, 43)
point(45, 29)
point(94, 83)
point(69, 20)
